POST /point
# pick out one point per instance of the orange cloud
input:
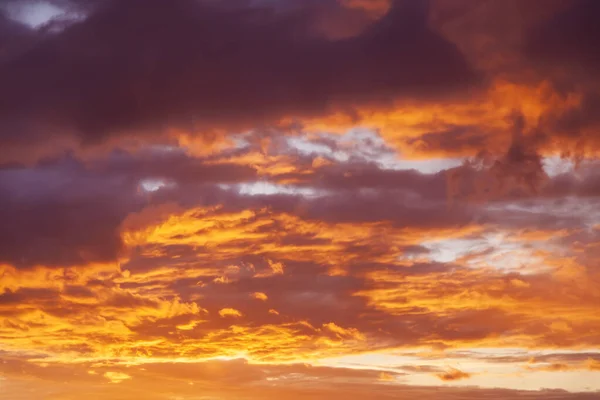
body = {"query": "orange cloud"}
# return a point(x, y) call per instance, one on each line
point(229, 312)
point(385, 377)
point(453, 374)
point(260, 296)
point(116, 377)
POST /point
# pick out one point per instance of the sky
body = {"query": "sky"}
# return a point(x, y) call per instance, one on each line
point(299, 199)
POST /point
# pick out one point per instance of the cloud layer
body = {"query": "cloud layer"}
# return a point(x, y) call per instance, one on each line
point(300, 199)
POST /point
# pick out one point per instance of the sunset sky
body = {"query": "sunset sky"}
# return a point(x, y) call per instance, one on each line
point(299, 199)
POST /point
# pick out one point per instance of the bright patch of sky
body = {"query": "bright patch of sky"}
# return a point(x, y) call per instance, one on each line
point(150, 185)
point(449, 250)
point(164, 148)
point(240, 141)
point(485, 373)
point(33, 13)
point(554, 166)
point(305, 146)
point(586, 210)
point(382, 361)
point(515, 377)
point(269, 189)
point(492, 352)
point(367, 146)
point(491, 250)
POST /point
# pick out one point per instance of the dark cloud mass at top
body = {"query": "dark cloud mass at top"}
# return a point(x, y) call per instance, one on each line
point(134, 66)
point(570, 38)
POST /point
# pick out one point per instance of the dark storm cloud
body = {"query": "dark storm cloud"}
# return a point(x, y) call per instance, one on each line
point(64, 212)
point(361, 175)
point(135, 65)
point(12, 36)
point(487, 177)
point(578, 124)
point(59, 231)
point(565, 50)
point(452, 140)
point(569, 39)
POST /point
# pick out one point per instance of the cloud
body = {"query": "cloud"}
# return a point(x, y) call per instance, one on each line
point(453, 374)
point(568, 39)
point(67, 212)
point(116, 377)
point(488, 178)
point(44, 224)
point(229, 312)
point(386, 377)
point(260, 296)
point(194, 250)
point(156, 77)
point(232, 379)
